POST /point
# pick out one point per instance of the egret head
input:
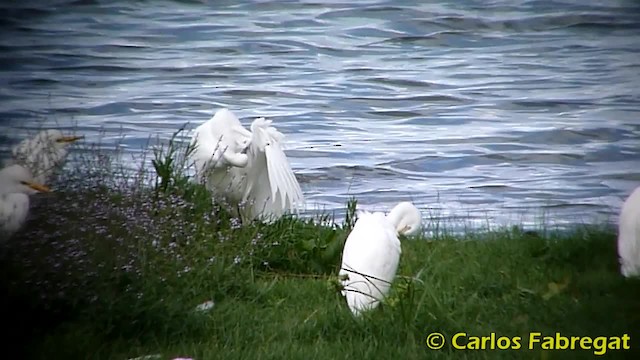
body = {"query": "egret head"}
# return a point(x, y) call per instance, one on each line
point(242, 143)
point(17, 179)
point(58, 138)
point(406, 218)
point(47, 141)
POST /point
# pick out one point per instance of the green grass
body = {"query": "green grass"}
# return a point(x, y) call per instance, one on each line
point(111, 268)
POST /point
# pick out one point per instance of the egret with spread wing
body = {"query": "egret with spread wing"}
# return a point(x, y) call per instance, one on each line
point(372, 253)
point(629, 235)
point(43, 154)
point(249, 169)
point(16, 184)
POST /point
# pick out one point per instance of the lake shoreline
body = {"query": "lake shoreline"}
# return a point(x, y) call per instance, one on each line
point(113, 268)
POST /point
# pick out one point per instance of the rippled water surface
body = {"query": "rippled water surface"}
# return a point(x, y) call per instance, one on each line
point(488, 112)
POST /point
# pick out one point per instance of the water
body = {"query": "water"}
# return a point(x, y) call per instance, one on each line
point(514, 112)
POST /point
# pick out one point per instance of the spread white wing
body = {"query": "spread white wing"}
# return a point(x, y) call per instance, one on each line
point(272, 188)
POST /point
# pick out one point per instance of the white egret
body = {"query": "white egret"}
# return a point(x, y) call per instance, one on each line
point(372, 252)
point(247, 168)
point(16, 184)
point(629, 235)
point(43, 153)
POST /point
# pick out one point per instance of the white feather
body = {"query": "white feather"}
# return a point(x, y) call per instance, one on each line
point(629, 235)
point(371, 255)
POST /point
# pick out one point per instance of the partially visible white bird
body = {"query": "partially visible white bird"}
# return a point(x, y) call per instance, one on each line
point(16, 184)
point(247, 168)
point(372, 253)
point(629, 235)
point(43, 153)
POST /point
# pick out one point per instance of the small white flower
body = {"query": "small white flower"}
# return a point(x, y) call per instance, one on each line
point(147, 357)
point(207, 305)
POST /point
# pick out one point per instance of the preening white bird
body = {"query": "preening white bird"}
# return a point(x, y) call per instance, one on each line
point(16, 184)
point(249, 169)
point(371, 254)
point(629, 235)
point(43, 153)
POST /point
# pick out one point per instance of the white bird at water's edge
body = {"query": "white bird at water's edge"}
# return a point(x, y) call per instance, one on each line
point(372, 253)
point(249, 169)
point(43, 153)
point(16, 184)
point(629, 235)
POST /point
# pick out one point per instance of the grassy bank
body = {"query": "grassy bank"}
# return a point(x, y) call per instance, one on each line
point(112, 267)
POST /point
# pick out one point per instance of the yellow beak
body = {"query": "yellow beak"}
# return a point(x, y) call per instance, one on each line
point(69, 139)
point(37, 187)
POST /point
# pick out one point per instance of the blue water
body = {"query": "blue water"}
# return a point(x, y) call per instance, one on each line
point(481, 112)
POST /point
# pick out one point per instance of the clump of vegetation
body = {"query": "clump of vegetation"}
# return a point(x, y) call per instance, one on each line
point(114, 262)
